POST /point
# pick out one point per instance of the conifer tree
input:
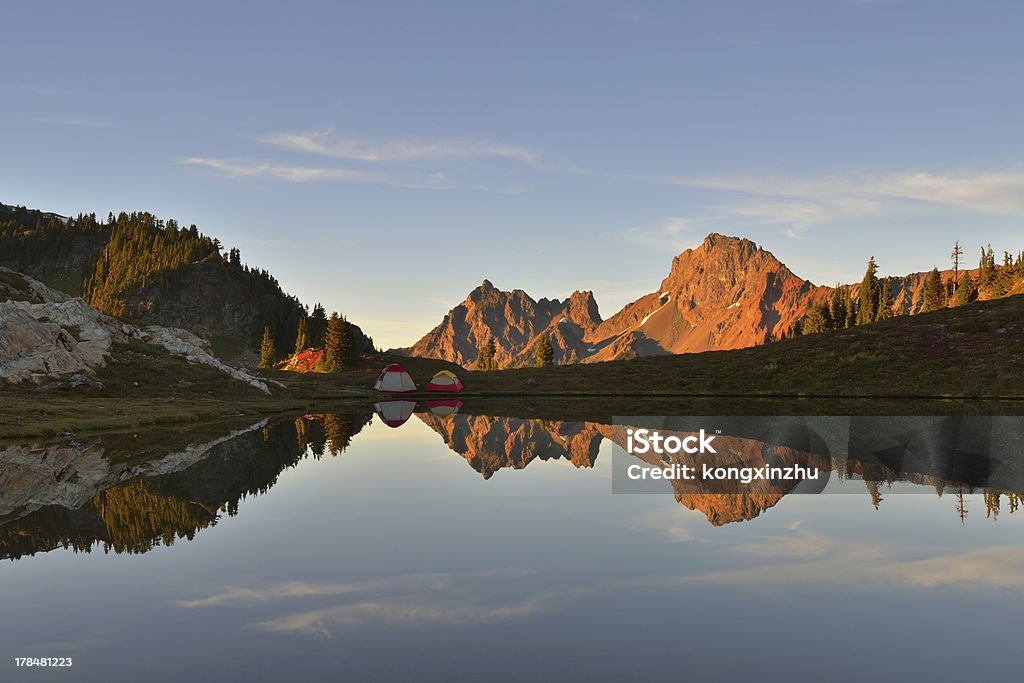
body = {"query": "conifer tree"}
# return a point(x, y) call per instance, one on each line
point(965, 290)
point(851, 311)
point(485, 356)
point(837, 309)
point(986, 268)
point(955, 255)
point(934, 294)
point(884, 311)
point(317, 326)
point(817, 320)
point(867, 295)
point(347, 352)
point(334, 344)
point(267, 351)
point(544, 355)
point(302, 336)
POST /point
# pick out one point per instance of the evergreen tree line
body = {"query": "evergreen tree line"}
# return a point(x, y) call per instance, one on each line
point(873, 299)
point(28, 237)
point(132, 251)
point(543, 354)
point(334, 335)
point(841, 310)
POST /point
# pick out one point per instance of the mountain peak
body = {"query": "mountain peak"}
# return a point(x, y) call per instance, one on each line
point(718, 240)
point(486, 284)
point(581, 308)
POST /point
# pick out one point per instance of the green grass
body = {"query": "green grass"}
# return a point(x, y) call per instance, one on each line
point(143, 385)
point(67, 281)
point(228, 346)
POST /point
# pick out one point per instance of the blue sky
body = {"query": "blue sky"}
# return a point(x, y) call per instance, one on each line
point(384, 158)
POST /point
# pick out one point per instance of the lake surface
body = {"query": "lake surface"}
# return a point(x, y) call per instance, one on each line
point(480, 547)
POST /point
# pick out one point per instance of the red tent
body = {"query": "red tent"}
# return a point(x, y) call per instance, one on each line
point(394, 379)
point(394, 413)
point(444, 381)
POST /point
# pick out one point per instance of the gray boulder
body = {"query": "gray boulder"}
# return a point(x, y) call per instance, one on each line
point(45, 334)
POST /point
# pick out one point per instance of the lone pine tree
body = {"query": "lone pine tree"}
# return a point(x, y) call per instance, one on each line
point(485, 356)
point(934, 293)
point(267, 351)
point(544, 355)
point(302, 336)
point(337, 344)
point(884, 311)
point(965, 290)
point(867, 295)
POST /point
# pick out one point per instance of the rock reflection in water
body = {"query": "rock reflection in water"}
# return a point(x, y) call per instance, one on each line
point(84, 496)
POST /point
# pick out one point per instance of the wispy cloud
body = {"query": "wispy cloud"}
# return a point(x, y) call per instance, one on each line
point(80, 122)
point(446, 598)
point(801, 202)
point(307, 174)
point(809, 556)
point(668, 230)
point(438, 581)
point(326, 143)
point(320, 621)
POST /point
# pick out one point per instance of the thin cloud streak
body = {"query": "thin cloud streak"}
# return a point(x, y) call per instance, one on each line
point(808, 556)
point(309, 174)
point(74, 121)
point(427, 598)
point(326, 143)
point(987, 191)
point(437, 581)
point(319, 621)
point(667, 230)
point(799, 203)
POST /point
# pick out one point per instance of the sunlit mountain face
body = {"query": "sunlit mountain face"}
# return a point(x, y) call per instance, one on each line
point(463, 530)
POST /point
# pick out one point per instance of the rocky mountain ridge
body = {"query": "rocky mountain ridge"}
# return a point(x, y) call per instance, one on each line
point(519, 318)
point(727, 293)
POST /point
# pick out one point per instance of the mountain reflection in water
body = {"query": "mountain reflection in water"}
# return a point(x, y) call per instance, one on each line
point(114, 494)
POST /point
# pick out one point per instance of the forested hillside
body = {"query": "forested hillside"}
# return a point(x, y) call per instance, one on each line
point(141, 268)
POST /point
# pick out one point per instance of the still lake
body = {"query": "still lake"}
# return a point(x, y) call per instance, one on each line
point(478, 547)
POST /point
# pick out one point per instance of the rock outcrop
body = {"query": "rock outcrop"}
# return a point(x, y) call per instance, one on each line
point(45, 334)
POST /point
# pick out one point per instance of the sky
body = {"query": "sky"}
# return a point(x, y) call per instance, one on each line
point(383, 158)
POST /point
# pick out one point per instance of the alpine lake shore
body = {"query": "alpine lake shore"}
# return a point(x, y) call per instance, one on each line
point(963, 360)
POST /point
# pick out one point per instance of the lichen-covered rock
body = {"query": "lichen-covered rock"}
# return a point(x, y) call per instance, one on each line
point(196, 350)
point(32, 350)
point(45, 334)
point(17, 287)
